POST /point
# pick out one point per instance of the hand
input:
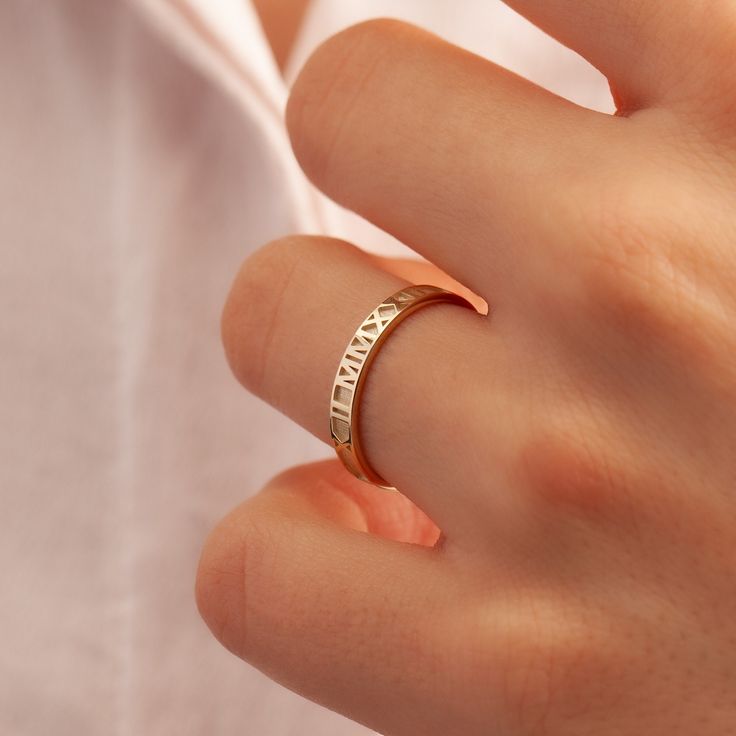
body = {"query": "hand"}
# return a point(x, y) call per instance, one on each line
point(577, 448)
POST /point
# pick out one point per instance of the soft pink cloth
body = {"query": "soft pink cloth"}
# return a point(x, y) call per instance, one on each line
point(142, 156)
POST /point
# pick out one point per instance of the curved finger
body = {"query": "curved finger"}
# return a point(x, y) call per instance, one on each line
point(455, 156)
point(342, 617)
point(291, 312)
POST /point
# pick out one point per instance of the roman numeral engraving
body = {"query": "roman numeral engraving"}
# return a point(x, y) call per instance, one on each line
point(343, 408)
point(343, 393)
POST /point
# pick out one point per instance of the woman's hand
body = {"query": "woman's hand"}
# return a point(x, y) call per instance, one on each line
point(577, 448)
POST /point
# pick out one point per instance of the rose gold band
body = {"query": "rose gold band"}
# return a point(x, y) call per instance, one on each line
point(351, 373)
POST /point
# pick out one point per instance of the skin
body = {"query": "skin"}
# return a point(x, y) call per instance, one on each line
point(281, 20)
point(576, 448)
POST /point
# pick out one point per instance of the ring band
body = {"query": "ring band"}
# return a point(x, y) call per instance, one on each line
point(351, 373)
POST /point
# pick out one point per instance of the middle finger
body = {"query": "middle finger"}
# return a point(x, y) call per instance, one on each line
point(458, 158)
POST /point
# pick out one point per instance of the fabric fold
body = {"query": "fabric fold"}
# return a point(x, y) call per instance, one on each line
point(224, 40)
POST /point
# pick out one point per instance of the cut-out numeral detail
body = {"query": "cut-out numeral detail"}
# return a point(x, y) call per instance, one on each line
point(350, 372)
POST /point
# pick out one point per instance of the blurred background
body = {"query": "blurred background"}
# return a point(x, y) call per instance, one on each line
point(142, 157)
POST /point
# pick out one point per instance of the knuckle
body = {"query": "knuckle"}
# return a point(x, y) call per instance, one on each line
point(634, 293)
point(252, 309)
point(326, 97)
point(556, 660)
point(645, 278)
point(649, 280)
point(635, 277)
point(567, 471)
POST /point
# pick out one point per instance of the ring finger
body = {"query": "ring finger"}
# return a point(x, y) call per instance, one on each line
point(293, 308)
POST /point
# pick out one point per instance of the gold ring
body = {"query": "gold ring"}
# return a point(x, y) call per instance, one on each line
point(359, 354)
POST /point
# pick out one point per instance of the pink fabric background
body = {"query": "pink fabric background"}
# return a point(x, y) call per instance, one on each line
point(142, 156)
